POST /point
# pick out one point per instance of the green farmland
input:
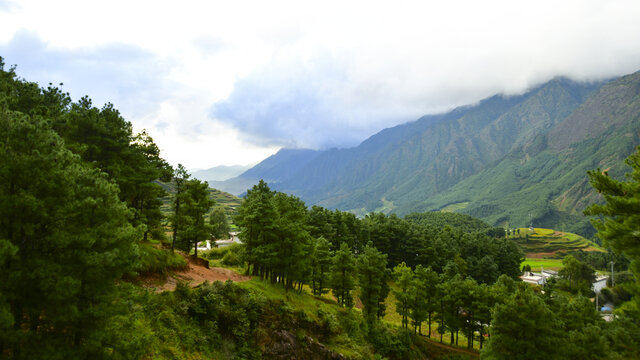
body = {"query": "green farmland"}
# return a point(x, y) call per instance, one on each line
point(550, 243)
point(547, 264)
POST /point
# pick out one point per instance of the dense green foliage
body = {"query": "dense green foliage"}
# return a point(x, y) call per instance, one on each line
point(65, 235)
point(528, 326)
point(531, 326)
point(373, 280)
point(320, 265)
point(619, 226)
point(195, 206)
point(439, 219)
point(576, 276)
point(342, 276)
point(155, 260)
point(354, 268)
point(274, 236)
point(219, 224)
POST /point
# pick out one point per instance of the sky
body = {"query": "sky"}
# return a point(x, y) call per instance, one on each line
point(231, 82)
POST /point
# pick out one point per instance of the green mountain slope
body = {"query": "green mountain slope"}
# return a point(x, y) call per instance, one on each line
point(545, 181)
point(507, 160)
point(436, 159)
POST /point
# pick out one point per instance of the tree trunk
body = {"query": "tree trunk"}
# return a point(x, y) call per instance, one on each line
point(195, 250)
point(175, 226)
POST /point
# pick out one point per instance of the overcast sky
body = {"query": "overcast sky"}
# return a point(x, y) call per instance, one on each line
point(231, 82)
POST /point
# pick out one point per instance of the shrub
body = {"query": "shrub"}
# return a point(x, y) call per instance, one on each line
point(154, 260)
point(216, 253)
point(231, 259)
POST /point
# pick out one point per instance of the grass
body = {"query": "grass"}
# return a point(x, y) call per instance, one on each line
point(154, 259)
point(548, 264)
point(455, 206)
point(301, 301)
point(393, 318)
point(387, 206)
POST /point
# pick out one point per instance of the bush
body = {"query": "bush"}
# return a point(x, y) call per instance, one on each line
point(216, 253)
point(154, 260)
point(158, 234)
point(389, 343)
point(220, 253)
point(231, 259)
point(329, 322)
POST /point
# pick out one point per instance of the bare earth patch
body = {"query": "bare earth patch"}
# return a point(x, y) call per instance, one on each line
point(196, 275)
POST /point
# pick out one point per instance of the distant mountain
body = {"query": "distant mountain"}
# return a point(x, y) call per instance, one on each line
point(508, 160)
point(220, 173)
point(545, 178)
point(281, 166)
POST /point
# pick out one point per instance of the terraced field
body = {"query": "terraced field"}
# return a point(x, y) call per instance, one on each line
point(545, 248)
point(547, 243)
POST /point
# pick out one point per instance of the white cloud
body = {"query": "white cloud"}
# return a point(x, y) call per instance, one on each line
point(306, 74)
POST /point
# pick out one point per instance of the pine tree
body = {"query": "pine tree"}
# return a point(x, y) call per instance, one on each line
point(405, 281)
point(524, 328)
point(178, 220)
point(425, 296)
point(65, 238)
point(321, 263)
point(196, 204)
point(619, 224)
point(219, 225)
point(293, 242)
point(372, 280)
point(343, 275)
point(257, 218)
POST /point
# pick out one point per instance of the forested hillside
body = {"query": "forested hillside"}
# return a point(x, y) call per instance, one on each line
point(83, 233)
point(508, 160)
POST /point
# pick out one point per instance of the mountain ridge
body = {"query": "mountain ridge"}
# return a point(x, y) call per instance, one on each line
point(539, 142)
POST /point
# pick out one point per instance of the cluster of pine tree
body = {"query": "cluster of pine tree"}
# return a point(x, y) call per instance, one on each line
point(80, 194)
point(286, 243)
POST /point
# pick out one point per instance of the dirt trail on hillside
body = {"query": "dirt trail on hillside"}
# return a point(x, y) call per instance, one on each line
point(195, 275)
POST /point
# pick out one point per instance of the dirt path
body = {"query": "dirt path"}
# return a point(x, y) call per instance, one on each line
point(195, 275)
